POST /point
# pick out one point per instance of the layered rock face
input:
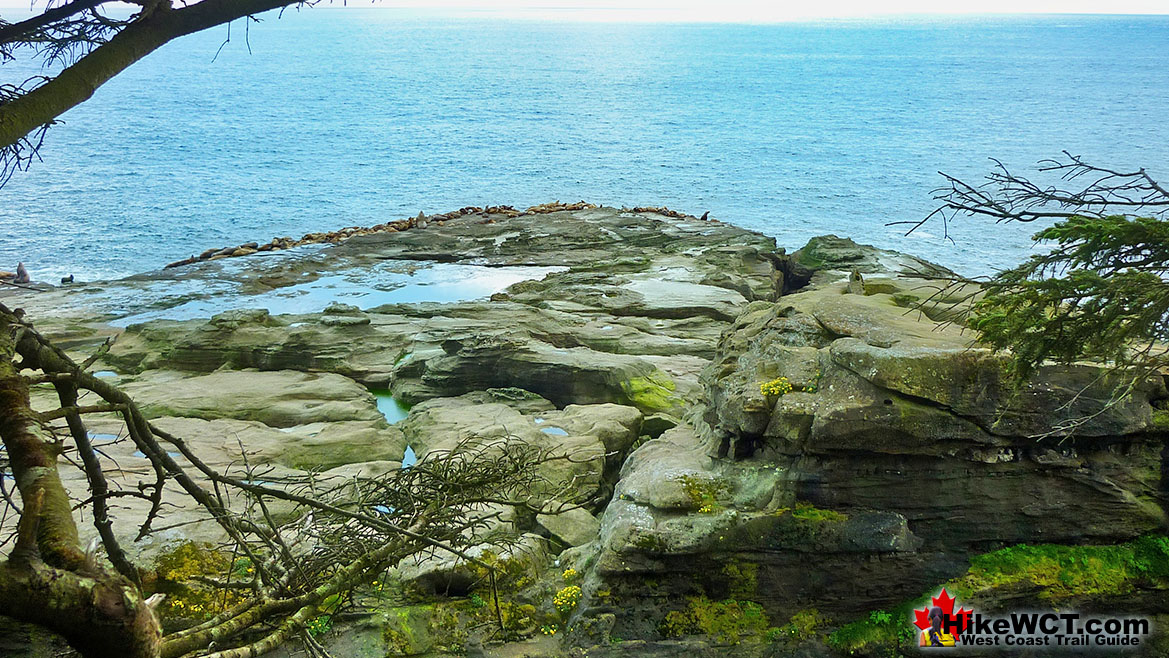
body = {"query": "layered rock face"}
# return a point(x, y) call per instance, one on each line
point(904, 414)
point(892, 452)
point(746, 425)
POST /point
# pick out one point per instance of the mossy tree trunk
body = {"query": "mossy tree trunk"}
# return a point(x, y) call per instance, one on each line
point(47, 579)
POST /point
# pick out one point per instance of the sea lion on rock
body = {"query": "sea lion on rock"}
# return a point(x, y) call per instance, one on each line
point(420, 220)
point(66, 279)
point(177, 263)
point(21, 274)
point(705, 215)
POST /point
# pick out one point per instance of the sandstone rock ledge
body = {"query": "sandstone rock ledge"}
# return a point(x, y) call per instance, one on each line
point(724, 520)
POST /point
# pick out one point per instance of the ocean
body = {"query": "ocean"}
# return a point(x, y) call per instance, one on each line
point(331, 117)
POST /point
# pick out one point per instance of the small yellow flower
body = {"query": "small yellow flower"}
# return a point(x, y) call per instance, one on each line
point(567, 598)
point(776, 387)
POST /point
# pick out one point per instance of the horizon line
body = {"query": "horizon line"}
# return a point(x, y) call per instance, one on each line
point(645, 14)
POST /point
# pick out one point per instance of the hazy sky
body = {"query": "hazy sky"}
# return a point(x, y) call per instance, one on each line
point(749, 10)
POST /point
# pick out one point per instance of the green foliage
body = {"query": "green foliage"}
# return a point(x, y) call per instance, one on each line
point(567, 599)
point(805, 523)
point(881, 633)
point(443, 626)
point(1060, 572)
point(742, 579)
point(804, 625)
point(1099, 293)
point(729, 621)
point(781, 386)
point(651, 543)
point(319, 625)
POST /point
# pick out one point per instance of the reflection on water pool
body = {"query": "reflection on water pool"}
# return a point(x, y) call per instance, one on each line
point(382, 284)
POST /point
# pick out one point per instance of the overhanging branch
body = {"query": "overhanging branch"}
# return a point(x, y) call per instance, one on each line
point(77, 83)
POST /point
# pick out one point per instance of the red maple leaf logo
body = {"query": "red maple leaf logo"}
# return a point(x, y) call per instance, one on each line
point(921, 618)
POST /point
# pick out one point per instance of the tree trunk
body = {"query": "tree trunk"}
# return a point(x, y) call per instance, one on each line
point(47, 579)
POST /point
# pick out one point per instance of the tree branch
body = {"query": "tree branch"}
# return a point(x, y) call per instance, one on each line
point(78, 82)
point(16, 31)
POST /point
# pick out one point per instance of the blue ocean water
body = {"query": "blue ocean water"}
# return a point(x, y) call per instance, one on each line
point(331, 117)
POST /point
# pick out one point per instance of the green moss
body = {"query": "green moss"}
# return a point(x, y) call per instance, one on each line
point(650, 543)
point(1057, 573)
point(804, 625)
point(881, 633)
point(705, 494)
point(807, 512)
point(729, 621)
point(742, 579)
point(510, 573)
point(406, 630)
point(444, 626)
point(1065, 572)
point(803, 525)
point(174, 573)
point(651, 394)
point(1161, 419)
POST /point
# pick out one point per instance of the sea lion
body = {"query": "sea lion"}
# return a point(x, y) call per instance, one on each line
point(21, 274)
point(705, 215)
point(66, 279)
point(420, 220)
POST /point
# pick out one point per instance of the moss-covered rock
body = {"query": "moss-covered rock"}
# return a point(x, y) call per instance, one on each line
point(653, 393)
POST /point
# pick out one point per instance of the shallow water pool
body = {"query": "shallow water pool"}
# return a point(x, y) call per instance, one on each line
point(385, 283)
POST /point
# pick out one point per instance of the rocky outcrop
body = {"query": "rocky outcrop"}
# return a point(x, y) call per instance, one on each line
point(744, 425)
point(897, 406)
point(854, 453)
